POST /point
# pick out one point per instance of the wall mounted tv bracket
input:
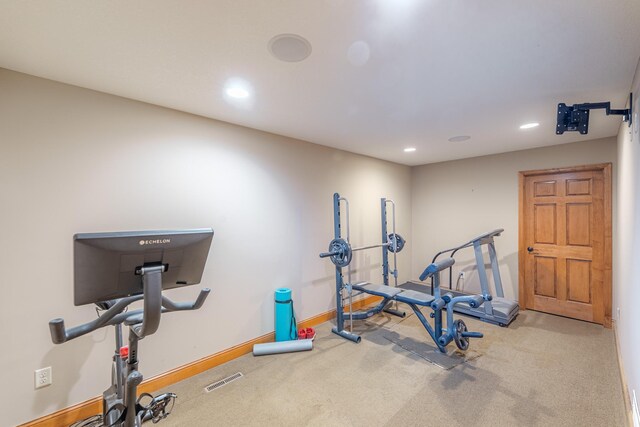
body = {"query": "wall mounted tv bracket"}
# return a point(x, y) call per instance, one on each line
point(576, 117)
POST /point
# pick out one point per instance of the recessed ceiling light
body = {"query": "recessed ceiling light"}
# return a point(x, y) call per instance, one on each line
point(459, 138)
point(237, 92)
point(530, 125)
point(289, 47)
point(409, 149)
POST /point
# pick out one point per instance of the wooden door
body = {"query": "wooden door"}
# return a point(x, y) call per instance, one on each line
point(565, 229)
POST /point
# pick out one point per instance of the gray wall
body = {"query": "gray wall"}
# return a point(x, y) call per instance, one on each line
point(74, 160)
point(455, 201)
point(626, 240)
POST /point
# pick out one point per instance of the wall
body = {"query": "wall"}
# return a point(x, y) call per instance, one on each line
point(455, 201)
point(74, 160)
point(626, 239)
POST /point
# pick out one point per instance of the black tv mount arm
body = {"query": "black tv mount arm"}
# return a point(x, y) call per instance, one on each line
point(576, 117)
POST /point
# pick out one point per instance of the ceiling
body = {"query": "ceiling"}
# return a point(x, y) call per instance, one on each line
point(383, 74)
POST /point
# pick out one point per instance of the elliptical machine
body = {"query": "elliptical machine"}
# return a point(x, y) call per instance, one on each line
point(114, 270)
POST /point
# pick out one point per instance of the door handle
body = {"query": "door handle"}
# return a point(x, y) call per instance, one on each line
point(530, 249)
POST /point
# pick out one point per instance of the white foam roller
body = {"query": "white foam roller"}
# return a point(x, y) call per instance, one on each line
point(282, 347)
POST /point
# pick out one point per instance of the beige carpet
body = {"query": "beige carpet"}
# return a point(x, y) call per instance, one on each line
point(407, 336)
point(541, 371)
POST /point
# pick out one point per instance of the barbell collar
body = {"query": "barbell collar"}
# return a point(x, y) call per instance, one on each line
point(328, 254)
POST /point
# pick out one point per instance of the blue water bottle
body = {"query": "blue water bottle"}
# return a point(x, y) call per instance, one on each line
point(286, 328)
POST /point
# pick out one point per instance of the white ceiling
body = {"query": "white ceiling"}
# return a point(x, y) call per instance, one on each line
point(436, 69)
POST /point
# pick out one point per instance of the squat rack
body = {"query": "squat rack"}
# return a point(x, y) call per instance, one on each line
point(341, 252)
point(388, 244)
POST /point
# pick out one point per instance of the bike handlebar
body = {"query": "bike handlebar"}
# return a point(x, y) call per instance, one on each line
point(114, 316)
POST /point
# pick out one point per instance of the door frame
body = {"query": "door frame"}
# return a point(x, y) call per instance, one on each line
point(607, 262)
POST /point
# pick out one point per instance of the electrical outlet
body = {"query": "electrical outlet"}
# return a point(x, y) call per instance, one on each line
point(43, 377)
point(618, 314)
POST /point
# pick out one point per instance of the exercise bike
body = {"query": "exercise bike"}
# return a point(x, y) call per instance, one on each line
point(163, 269)
point(125, 376)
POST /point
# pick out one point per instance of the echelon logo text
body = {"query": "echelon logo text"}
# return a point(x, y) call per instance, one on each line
point(154, 242)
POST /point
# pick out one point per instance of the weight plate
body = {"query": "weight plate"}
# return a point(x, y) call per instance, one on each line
point(461, 342)
point(343, 255)
point(396, 242)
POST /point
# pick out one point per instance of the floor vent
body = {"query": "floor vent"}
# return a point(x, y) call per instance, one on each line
point(223, 382)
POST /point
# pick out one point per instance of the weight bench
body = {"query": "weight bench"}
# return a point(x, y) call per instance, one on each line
point(395, 294)
point(455, 330)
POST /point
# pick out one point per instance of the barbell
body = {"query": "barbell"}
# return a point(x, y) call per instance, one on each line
point(341, 252)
